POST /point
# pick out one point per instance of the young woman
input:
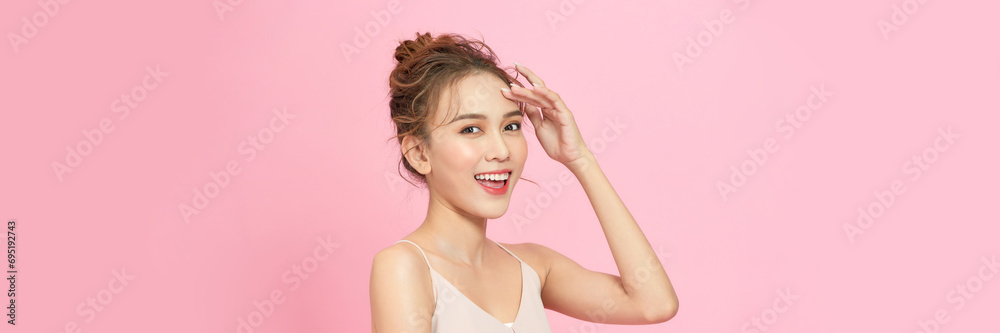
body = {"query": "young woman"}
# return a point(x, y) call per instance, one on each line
point(458, 118)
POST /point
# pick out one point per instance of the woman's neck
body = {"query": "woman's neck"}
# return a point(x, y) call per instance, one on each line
point(456, 236)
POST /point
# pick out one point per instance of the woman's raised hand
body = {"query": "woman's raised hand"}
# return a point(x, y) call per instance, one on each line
point(553, 122)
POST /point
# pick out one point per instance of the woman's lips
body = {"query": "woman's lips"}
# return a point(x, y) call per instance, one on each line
point(492, 183)
point(495, 187)
point(495, 191)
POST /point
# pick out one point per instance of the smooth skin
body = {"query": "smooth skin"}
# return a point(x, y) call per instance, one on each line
point(453, 235)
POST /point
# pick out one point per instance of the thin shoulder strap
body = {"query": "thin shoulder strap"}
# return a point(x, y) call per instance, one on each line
point(433, 285)
point(508, 251)
point(418, 248)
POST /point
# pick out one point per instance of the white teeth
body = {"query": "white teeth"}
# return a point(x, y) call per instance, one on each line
point(494, 176)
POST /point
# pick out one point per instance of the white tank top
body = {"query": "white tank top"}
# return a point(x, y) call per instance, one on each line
point(453, 312)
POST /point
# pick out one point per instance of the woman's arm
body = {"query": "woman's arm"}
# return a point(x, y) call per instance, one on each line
point(400, 291)
point(642, 293)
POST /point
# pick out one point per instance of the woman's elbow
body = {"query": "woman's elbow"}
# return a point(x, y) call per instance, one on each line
point(662, 312)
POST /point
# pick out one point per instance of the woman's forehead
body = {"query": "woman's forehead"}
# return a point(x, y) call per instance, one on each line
point(475, 96)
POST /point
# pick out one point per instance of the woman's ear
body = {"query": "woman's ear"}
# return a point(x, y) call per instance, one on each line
point(415, 153)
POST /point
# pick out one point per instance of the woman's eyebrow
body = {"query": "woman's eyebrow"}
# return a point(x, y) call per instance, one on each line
point(481, 116)
point(512, 114)
point(467, 116)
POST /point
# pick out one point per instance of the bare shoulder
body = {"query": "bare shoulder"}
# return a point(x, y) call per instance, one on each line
point(529, 250)
point(402, 298)
point(401, 261)
point(540, 257)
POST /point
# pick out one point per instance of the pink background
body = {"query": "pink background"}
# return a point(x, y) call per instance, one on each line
point(329, 174)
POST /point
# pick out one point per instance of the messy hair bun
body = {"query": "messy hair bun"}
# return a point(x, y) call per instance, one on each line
point(408, 48)
point(424, 66)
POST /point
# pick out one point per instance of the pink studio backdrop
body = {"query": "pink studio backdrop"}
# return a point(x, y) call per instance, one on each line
point(116, 114)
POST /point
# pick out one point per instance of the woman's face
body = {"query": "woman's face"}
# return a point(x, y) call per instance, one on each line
point(483, 137)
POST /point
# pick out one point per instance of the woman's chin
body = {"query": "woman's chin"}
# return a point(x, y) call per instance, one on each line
point(493, 214)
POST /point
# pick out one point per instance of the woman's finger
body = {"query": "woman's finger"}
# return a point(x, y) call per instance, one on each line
point(529, 74)
point(531, 97)
point(519, 96)
point(552, 97)
point(532, 112)
point(536, 105)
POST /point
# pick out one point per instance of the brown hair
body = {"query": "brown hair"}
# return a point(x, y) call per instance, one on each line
point(425, 66)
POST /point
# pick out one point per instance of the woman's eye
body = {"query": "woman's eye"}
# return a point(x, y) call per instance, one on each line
point(473, 129)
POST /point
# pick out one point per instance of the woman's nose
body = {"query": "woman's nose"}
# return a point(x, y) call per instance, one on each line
point(497, 148)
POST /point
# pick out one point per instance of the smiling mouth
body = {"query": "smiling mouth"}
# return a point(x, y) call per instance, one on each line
point(493, 180)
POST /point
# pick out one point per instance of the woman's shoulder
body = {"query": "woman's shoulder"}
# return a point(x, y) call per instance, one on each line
point(539, 257)
point(401, 283)
point(400, 267)
point(528, 250)
point(400, 256)
point(532, 250)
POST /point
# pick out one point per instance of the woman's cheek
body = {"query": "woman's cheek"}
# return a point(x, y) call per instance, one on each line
point(460, 157)
point(522, 147)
